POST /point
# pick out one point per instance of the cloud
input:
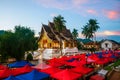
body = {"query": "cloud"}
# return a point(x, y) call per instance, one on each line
point(91, 11)
point(54, 4)
point(77, 3)
point(80, 35)
point(111, 14)
point(85, 7)
point(62, 4)
point(103, 34)
point(107, 33)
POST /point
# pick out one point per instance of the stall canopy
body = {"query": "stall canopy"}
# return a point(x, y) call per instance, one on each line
point(74, 63)
point(11, 78)
point(4, 73)
point(33, 75)
point(82, 70)
point(97, 77)
point(21, 70)
point(19, 64)
point(66, 75)
point(51, 70)
point(3, 67)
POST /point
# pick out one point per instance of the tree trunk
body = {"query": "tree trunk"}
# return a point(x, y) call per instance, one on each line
point(61, 47)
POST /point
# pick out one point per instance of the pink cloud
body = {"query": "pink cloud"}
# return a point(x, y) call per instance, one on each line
point(62, 4)
point(103, 33)
point(91, 11)
point(106, 33)
point(112, 14)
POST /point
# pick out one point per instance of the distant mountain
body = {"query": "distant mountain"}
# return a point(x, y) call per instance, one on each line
point(1, 32)
point(111, 37)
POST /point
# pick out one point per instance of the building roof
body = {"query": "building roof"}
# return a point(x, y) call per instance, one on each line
point(110, 41)
point(84, 41)
point(53, 34)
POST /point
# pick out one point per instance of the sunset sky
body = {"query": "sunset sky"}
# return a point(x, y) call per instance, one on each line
point(34, 13)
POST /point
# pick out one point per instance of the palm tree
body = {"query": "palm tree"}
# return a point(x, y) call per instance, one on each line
point(59, 23)
point(75, 33)
point(85, 32)
point(90, 28)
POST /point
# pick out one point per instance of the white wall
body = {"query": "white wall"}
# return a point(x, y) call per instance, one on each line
point(104, 46)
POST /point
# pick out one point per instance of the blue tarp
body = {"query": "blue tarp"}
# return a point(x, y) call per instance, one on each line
point(11, 78)
point(100, 55)
point(88, 54)
point(19, 64)
point(33, 75)
point(113, 56)
point(71, 60)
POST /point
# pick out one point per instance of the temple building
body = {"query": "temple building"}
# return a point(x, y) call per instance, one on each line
point(50, 38)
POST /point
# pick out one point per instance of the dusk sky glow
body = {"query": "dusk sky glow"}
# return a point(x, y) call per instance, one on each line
point(34, 13)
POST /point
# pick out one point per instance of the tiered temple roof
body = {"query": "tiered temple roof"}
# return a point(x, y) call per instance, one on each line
point(53, 34)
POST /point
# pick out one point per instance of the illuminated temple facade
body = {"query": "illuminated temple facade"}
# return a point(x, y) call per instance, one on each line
point(50, 38)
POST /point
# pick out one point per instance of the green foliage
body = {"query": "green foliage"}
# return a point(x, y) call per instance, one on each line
point(8, 45)
point(90, 28)
point(117, 63)
point(16, 44)
point(109, 68)
point(29, 57)
point(92, 49)
point(75, 33)
point(59, 23)
point(79, 46)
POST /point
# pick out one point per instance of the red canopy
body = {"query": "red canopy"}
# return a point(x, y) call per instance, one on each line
point(54, 62)
point(102, 61)
point(82, 70)
point(4, 73)
point(3, 67)
point(65, 58)
point(66, 75)
point(51, 70)
point(21, 70)
point(97, 77)
point(74, 63)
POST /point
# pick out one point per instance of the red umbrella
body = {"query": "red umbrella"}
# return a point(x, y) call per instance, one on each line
point(4, 73)
point(82, 70)
point(64, 58)
point(66, 75)
point(97, 77)
point(51, 70)
point(3, 67)
point(102, 61)
point(22, 70)
point(82, 62)
point(74, 63)
point(55, 62)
